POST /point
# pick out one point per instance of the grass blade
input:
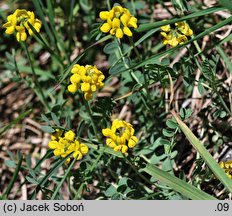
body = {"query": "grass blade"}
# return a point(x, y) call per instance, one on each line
point(207, 157)
point(177, 184)
point(148, 26)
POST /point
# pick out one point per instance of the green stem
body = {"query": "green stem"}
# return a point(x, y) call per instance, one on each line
point(96, 161)
point(108, 4)
point(63, 179)
point(223, 103)
point(78, 193)
point(15, 175)
point(89, 111)
point(124, 61)
point(198, 49)
point(143, 71)
point(133, 7)
point(42, 96)
point(133, 76)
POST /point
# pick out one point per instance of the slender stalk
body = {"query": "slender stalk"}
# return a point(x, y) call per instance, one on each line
point(198, 49)
point(144, 74)
point(131, 71)
point(108, 4)
point(223, 103)
point(78, 193)
point(63, 179)
point(15, 175)
point(96, 161)
point(43, 98)
point(133, 7)
point(124, 61)
point(90, 113)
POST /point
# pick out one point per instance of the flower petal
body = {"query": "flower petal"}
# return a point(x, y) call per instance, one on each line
point(105, 28)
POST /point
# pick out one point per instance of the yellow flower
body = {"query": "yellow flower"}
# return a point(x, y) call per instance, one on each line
point(227, 166)
point(63, 145)
point(169, 39)
point(176, 35)
point(56, 135)
point(166, 28)
point(120, 136)
point(184, 28)
point(19, 22)
point(118, 22)
point(88, 79)
point(70, 136)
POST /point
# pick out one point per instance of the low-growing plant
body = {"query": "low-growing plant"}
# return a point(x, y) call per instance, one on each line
point(122, 100)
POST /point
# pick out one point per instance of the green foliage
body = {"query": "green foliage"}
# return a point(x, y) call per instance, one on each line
point(144, 81)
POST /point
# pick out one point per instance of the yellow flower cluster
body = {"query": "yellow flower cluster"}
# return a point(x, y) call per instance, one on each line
point(87, 78)
point(118, 21)
point(177, 35)
point(120, 136)
point(63, 145)
point(227, 166)
point(18, 21)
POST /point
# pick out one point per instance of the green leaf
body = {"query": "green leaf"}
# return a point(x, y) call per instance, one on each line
point(110, 191)
point(168, 133)
point(86, 6)
point(47, 129)
point(222, 114)
point(110, 47)
point(31, 180)
point(201, 88)
point(45, 118)
point(10, 163)
point(55, 119)
point(68, 122)
point(171, 123)
point(185, 113)
point(164, 142)
point(117, 67)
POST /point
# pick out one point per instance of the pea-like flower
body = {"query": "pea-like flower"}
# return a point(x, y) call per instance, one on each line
point(177, 34)
point(120, 136)
point(88, 79)
point(118, 21)
point(63, 144)
point(19, 22)
point(227, 166)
